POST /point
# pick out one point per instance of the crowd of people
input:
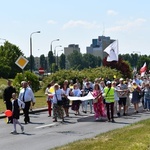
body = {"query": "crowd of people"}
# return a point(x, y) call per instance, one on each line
point(108, 98)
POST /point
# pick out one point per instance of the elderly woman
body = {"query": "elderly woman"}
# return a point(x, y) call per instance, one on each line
point(57, 103)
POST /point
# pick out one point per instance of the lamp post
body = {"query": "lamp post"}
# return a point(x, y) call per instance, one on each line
point(3, 39)
point(31, 61)
point(51, 49)
point(136, 52)
point(55, 52)
point(51, 44)
point(57, 55)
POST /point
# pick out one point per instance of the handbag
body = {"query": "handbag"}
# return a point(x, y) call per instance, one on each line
point(95, 100)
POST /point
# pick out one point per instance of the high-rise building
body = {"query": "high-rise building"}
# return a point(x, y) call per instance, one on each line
point(98, 45)
point(72, 47)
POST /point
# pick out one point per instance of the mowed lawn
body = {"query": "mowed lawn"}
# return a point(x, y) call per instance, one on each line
point(39, 96)
point(133, 137)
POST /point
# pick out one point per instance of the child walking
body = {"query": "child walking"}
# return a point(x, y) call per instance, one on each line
point(16, 105)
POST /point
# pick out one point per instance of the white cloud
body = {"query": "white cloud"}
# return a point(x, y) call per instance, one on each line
point(127, 25)
point(112, 12)
point(80, 23)
point(51, 22)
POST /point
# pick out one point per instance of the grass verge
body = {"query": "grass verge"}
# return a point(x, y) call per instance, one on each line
point(133, 137)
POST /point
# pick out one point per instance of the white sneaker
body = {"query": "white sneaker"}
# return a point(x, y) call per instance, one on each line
point(22, 129)
point(97, 118)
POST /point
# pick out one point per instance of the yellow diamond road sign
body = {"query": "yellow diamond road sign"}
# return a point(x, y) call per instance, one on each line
point(21, 62)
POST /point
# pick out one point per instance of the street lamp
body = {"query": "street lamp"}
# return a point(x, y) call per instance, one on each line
point(55, 52)
point(137, 52)
point(31, 49)
point(3, 39)
point(52, 42)
point(52, 50)
point(57, 55)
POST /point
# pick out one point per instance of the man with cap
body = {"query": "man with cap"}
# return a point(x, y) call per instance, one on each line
point(109, 92)
point(122, 93)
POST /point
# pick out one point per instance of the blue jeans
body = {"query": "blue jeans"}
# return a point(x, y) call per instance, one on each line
point(146, 103)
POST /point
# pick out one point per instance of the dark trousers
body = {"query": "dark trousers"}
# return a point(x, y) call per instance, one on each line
point(26, 112)
point(110, 106)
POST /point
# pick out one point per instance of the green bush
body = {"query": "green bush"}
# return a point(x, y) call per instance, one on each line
point(90, 73)
point(27, 76)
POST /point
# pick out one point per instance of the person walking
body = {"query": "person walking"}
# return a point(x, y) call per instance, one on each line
point(136, 96)
point(86, 90)
point(147, 96)
point(99, 107)
point(7, 95)
point(122, 93)
point(76, 104)
point(16, 105)
point(26, 95)
point(109, 93)
point(66, 90)
point(58, 111)
point(48, 99)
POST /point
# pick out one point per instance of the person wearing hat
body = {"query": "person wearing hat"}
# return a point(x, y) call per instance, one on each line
point(109, 93)
point(122, 93)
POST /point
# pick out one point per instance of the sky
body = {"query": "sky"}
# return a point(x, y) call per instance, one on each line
point(75, 22)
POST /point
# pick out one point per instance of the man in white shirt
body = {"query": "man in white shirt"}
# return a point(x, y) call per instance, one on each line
point(26, 95)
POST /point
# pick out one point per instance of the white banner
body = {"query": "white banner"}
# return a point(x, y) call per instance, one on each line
point(84, 98)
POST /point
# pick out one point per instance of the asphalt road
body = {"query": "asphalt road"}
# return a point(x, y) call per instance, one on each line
point(43, 134)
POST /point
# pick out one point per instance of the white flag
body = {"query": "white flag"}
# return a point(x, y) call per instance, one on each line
point(112, 51)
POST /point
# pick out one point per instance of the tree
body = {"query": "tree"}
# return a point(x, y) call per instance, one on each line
point(9, 53)
point(121, 65)
point(51, 59)
point(43, 61)
point(90, 61)
point(75, 60)
point(62, 61)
